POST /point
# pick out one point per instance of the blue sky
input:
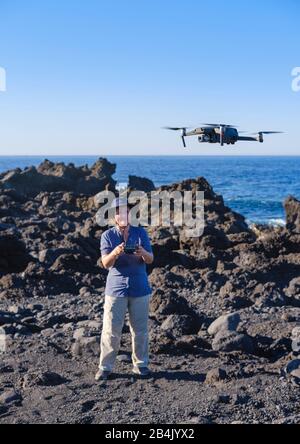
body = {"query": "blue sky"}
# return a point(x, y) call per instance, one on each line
point(103, 77)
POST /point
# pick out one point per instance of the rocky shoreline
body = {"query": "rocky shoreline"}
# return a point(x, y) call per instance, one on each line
point(225, 310)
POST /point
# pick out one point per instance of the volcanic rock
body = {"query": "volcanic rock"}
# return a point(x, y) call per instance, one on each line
point(228, 341)
point(215, 375)
point(296, 346)
point(228, 322)
point(10, 397)
point(293, 369)
point(140, 184)
point(40, 378)
point(292, 209)
point(296, 333)
point(269, 295)
point(179, 325)
point(169, 302)
point(84, 346)
point(293, 289)
point(53, 177)
point(13, 254)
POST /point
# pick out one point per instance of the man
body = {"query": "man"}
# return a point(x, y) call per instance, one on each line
point(127, 288)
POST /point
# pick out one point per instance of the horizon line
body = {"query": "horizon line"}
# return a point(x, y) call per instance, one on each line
point(149, 155)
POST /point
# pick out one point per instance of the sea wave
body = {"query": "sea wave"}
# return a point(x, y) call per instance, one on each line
point(277, 222)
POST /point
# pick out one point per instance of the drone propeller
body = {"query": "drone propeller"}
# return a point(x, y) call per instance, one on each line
point(218, 125)
point(172, 128)
point(269, 132)
point(183, 132)
point(260, 134)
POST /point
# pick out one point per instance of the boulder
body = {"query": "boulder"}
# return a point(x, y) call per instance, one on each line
point(296, 333)
point(140, 184)
point(269, 295)
point(10, 397)
point(292, 366)
point(215, 375)
point(49, 255)
point(178, 325)
point(73, 262)
point(13, 255)
point(86, 346)
point(41, 378)
point(229, 341)
point(292, 210)
point(7, 318)
point(168, 302)
point(296, 346)
point(293, 289)
point(228, 322)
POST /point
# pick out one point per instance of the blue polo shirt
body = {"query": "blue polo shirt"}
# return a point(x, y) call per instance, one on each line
point(128, 277)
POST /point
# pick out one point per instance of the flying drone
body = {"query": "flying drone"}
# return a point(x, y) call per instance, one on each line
point(219, 133)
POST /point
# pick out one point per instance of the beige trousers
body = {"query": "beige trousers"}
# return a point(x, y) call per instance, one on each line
point(114, 315)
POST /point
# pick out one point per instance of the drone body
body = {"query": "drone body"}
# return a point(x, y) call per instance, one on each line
point(219, 133)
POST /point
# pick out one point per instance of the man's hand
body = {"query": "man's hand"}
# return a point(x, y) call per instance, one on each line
point(109, 260)
point(118, 250)
point(140, 251)
point(143, 254)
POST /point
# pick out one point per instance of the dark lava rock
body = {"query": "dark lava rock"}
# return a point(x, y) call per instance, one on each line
point(3, 410)
point(86, 346)
point(292, 209)
point(179, 325)
point(13, 255)
point(140, 184)
point(168, 302)
point(269, 295)
point(240, 399)
point(191, 344)
point(6, 368)
point(296, 346)
point(40, 378)
point(293, 289)
point(215, 375)
point(292, 366)
point(53, 177)
point(221, 399)
point(10, 397)
point(73, 262)
point(228, 341)
point(7, 318)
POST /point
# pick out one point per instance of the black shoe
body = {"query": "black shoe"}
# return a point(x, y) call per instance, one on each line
point(141, 371)
point(102, 375)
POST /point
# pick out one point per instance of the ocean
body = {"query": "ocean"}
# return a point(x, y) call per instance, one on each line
point(253, 186)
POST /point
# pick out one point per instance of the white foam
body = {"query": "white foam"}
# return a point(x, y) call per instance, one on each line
point(277, 222)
